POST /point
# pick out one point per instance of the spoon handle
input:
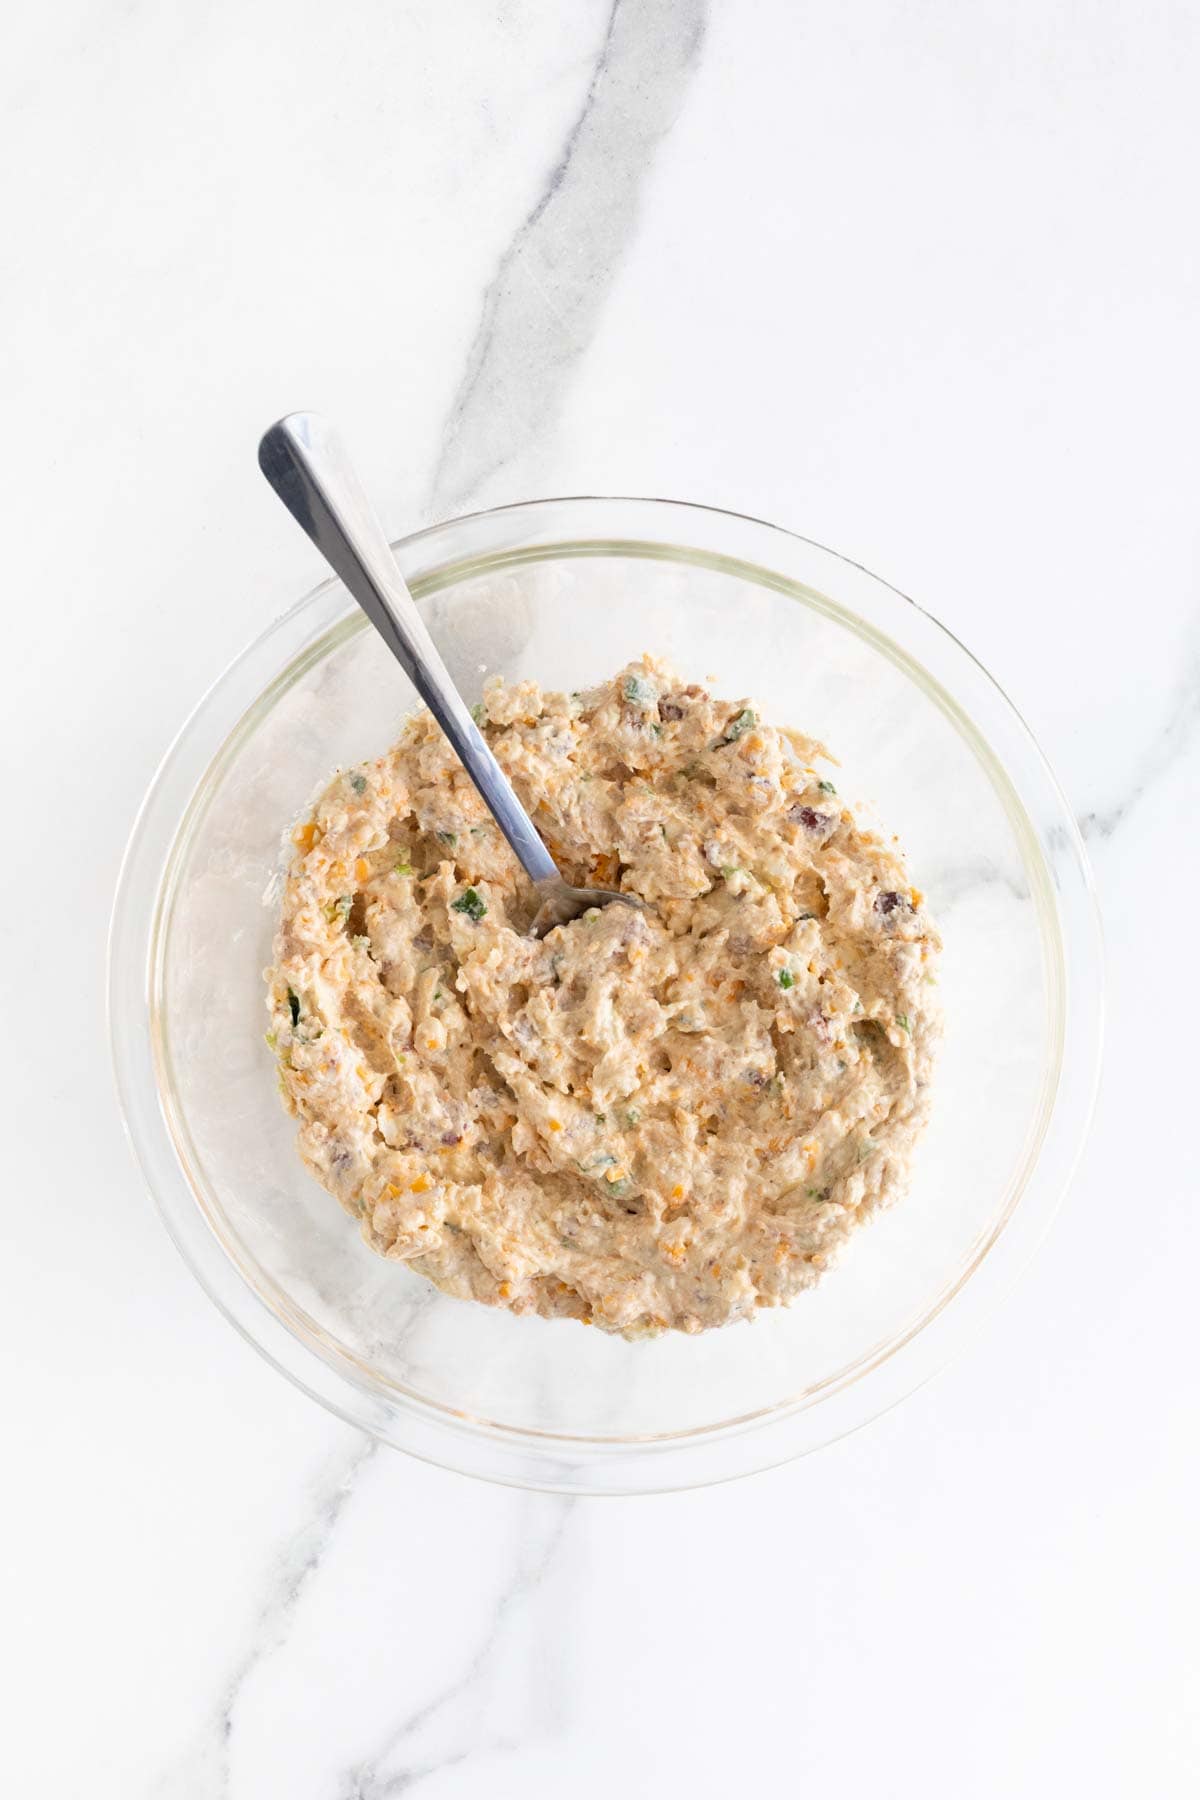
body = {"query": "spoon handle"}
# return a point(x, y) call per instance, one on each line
point(304, 460)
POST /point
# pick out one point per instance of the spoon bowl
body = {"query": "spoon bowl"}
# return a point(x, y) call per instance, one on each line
point(559, 903)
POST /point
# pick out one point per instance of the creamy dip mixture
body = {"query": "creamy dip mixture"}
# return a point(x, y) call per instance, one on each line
point(645, 1120)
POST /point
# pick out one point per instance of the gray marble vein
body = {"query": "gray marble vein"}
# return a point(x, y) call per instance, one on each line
point(1171, 742)
point(540, 308)
point(409, 1753)
point(206, 1767)
point(954, 881)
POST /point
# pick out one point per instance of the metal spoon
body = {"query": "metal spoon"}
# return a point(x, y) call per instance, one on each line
point(303, 459)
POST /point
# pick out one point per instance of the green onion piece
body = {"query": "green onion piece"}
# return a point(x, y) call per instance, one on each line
point(358, 783)
point(639, 691)
point(470, 903)
point(294, 1003)
point(827, 787)
point(739, 726)
point(786, 979)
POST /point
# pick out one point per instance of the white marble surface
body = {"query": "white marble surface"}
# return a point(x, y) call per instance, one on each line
point(921, 282)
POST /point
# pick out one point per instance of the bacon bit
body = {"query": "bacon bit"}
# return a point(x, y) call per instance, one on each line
point(362, 870)
point(556, 1124)
point(421, 1185)
point(305, 836)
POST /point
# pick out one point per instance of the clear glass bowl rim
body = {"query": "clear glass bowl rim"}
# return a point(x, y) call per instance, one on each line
point(807, 572)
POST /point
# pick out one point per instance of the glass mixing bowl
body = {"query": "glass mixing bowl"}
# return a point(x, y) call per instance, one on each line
point(565, 591)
